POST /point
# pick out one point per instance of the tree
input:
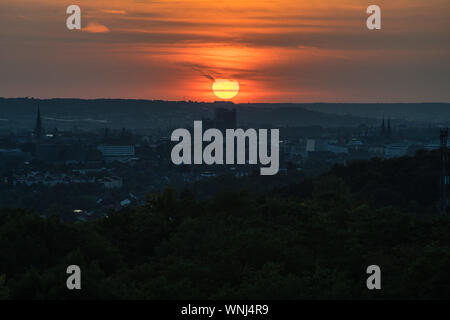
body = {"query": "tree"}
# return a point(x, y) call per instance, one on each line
point(4, 291)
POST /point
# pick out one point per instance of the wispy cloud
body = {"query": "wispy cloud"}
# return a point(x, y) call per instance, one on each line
point(114, 11)
point(95, 27)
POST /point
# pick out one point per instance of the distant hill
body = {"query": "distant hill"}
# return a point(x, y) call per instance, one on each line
point(436, 113)
point(139, 114)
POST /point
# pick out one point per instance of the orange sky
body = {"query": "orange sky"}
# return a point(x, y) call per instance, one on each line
point(278, 51)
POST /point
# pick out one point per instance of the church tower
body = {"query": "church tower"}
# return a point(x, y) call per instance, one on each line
point(38, 131)
point(389, 128)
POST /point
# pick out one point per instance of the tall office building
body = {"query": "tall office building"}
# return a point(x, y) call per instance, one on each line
point(225, 118)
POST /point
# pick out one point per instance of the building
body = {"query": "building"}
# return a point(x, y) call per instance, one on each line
point(111, 182)
point(377, 151)
point(433, 146)
point(21, 137)
point(38, 130)
point(396, 150)
point(386, 132)
point(225, 118)
point(117, 153)
point(49, 179)
point(13, 154)
point(292, 150)
point(322, 145)
point(336, 149)
point(60, 152)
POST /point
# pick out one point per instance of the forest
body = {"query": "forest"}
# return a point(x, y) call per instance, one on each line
point(311, 239)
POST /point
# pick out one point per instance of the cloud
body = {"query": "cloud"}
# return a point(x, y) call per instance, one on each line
point(95, 27)
point(115, 11)
point(200, 68)
point(207, 76)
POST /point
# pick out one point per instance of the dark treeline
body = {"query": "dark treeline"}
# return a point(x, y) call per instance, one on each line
point(408, 183)
point(309, 240)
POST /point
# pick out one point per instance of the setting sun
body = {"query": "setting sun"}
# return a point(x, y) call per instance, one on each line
point(225, 89)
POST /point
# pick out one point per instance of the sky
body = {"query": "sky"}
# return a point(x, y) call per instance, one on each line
point(277, 50)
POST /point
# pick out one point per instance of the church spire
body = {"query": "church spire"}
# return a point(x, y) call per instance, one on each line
point(38, 129)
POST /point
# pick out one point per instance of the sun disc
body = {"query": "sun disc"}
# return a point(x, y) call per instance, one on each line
point(225, 89)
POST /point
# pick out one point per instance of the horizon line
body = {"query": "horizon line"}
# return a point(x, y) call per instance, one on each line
point(217, 101)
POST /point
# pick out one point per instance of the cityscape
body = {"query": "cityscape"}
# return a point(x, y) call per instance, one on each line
point(111, 168)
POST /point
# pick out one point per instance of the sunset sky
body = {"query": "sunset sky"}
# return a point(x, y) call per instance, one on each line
point(278, 51)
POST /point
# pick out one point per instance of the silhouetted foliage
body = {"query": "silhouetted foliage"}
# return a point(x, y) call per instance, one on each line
point(310, 240)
